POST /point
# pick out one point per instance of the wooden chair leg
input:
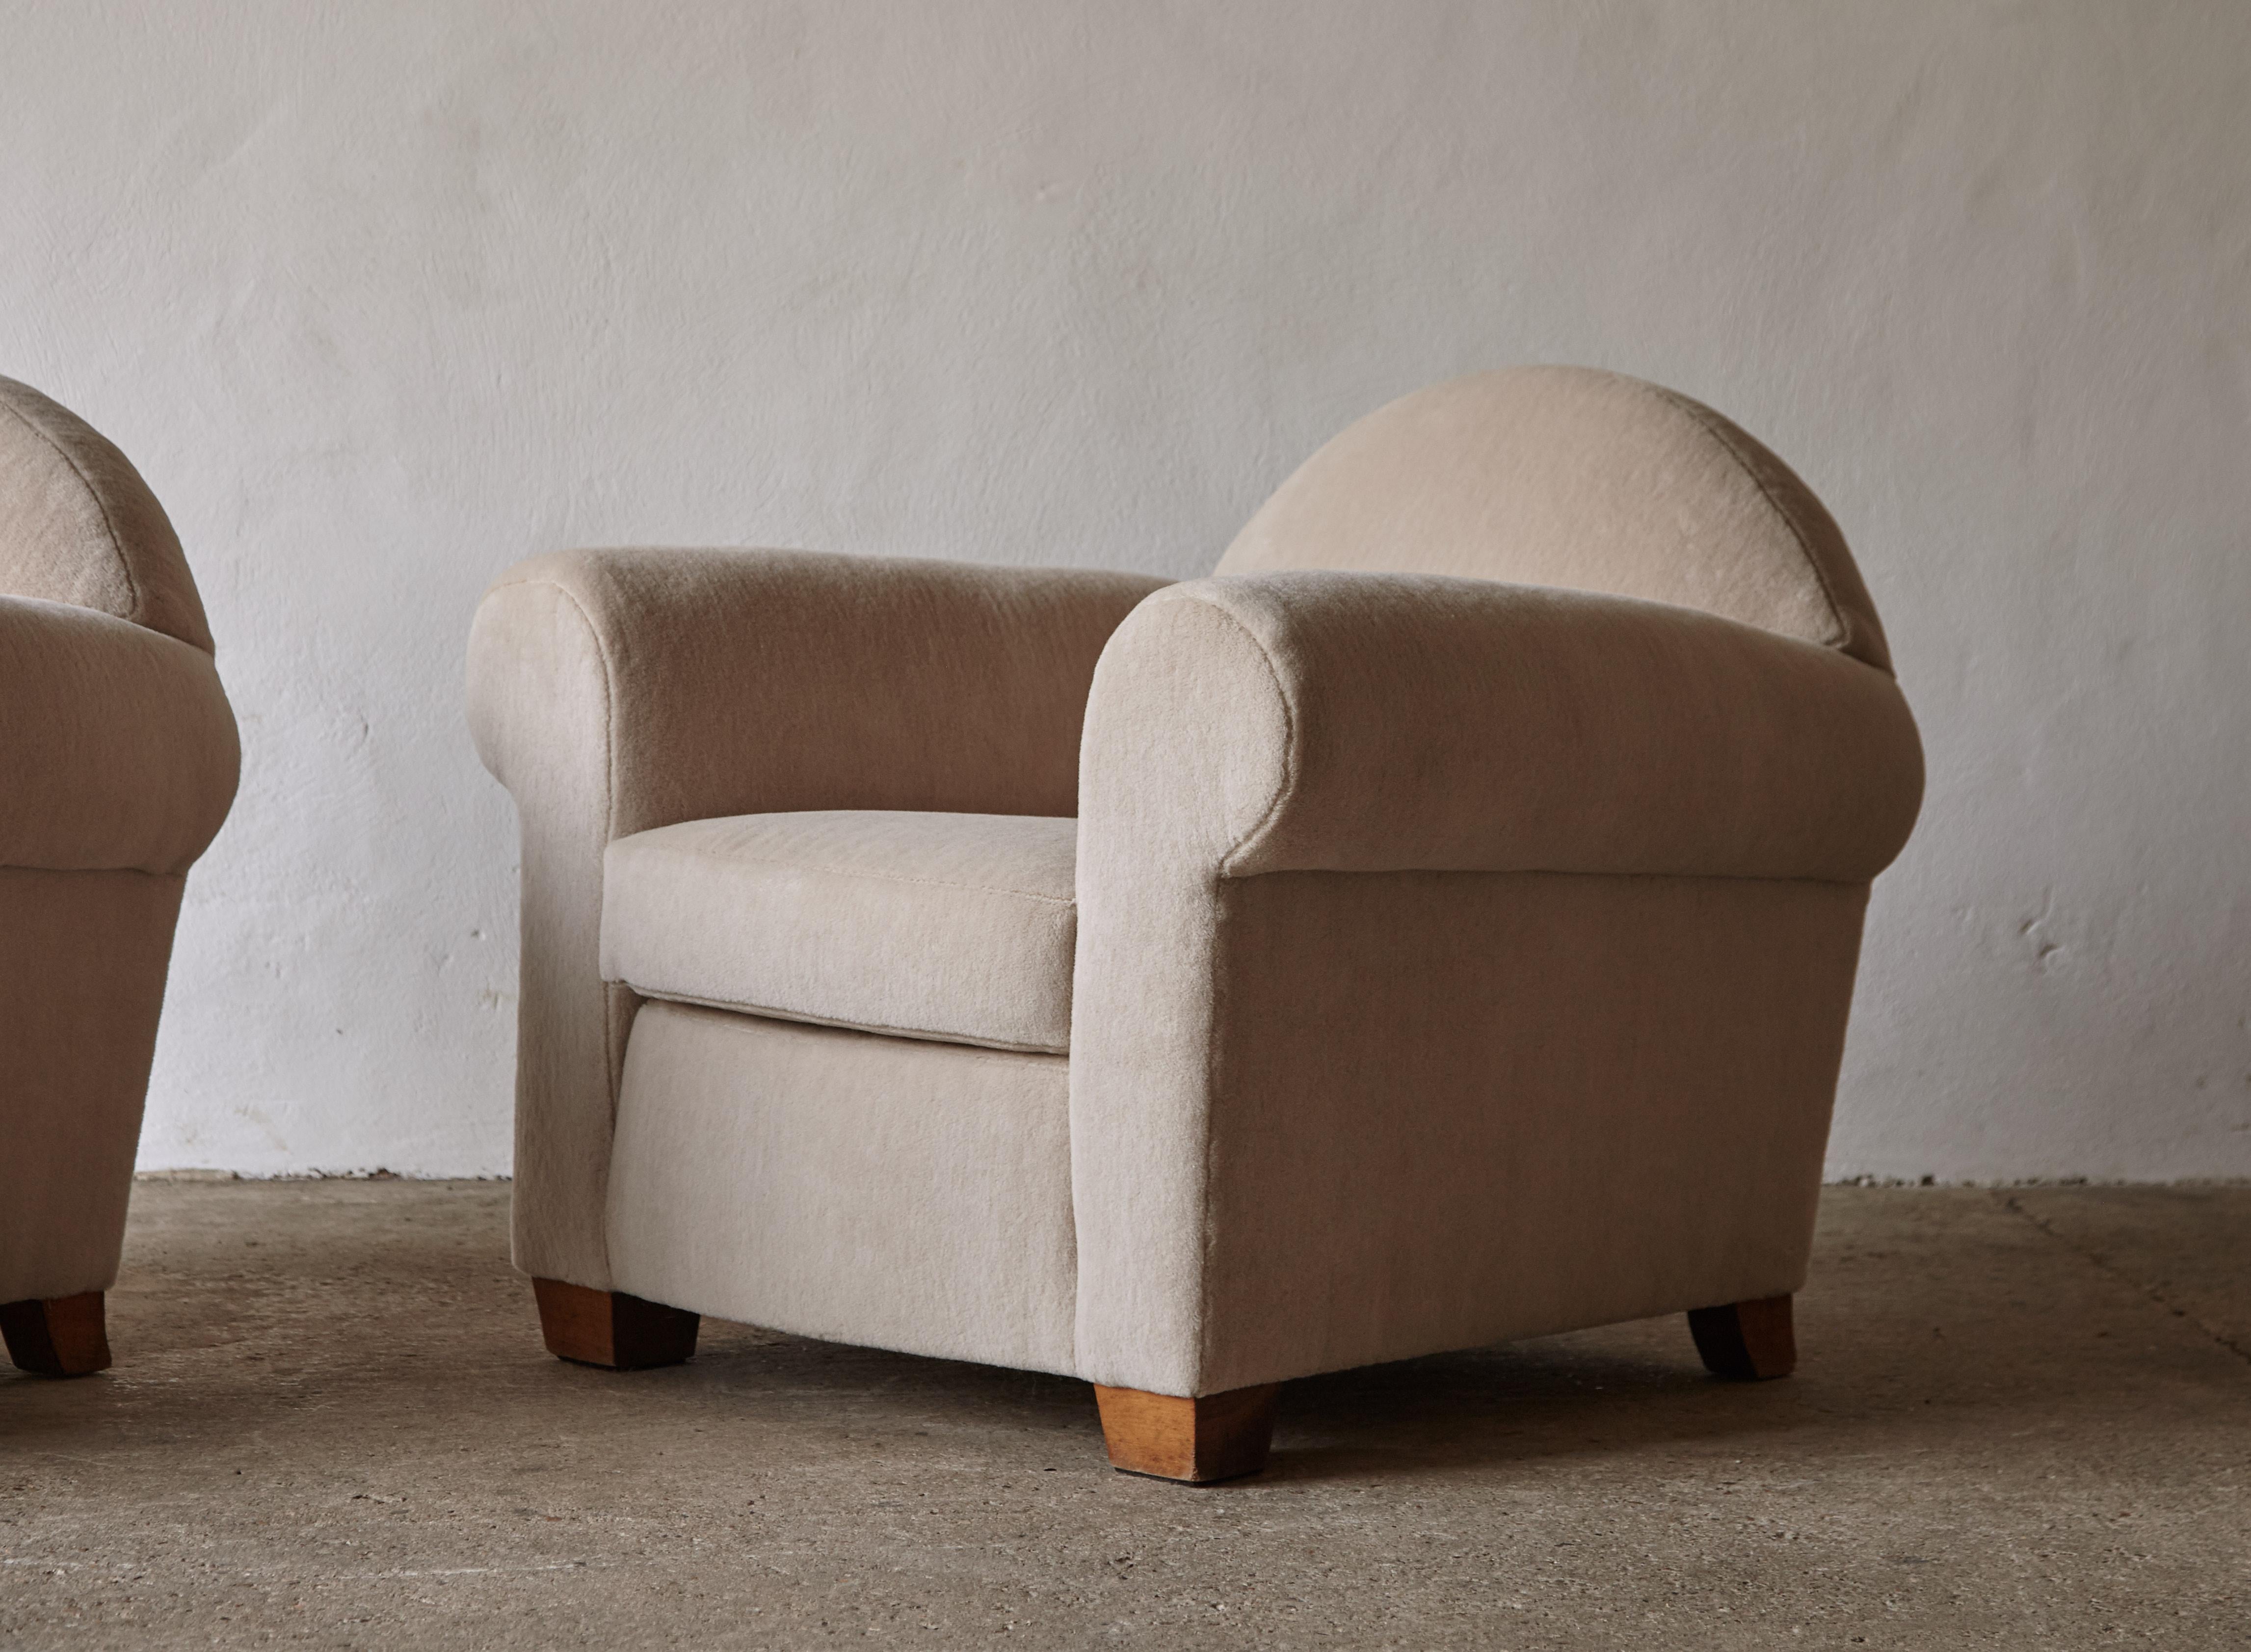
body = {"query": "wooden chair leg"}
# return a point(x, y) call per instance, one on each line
point(57, 1336)
point(1746, 1342)
point(611, 1328)
point(1217, 1436)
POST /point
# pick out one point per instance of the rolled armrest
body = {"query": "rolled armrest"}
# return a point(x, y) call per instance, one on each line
point(615, 691)
point(118, 747)
point(1354, 722)
point(1251, 1056)
point(691, 684)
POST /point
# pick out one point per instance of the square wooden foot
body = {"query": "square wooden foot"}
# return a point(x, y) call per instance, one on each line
point(1746, 1342)
point(57, 1336)
point(1217, 1436)
point(611, 1328)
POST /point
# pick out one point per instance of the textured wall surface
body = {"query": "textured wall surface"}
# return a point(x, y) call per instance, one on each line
point(381, 298)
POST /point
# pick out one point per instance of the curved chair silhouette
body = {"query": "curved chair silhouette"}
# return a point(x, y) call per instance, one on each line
point(120, 758)
point(1436, 927)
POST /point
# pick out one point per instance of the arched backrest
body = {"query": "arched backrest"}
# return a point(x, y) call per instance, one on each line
point(1566, 476)
point(78, 526)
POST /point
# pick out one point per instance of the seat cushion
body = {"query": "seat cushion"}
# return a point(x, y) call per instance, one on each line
point(957, 928)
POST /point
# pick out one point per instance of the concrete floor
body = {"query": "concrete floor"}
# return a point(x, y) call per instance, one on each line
point(2023, 1419)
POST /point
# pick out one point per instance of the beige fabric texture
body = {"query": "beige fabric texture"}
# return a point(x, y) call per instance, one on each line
point(1565, 476)
point(888, 1191)
point(1364, 732)
point(616, 692)
point(957, 928)
point(1381, 1115)
point(78, 526)
point(83, 976)
point(1468, 885)
point(121, 759)
point(117, 743)
point(1354, 722)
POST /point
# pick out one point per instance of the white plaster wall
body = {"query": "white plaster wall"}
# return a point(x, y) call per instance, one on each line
point(383, 297)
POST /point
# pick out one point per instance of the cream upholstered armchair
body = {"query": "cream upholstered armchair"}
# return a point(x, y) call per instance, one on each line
point(120, 757)
point(1435, 929)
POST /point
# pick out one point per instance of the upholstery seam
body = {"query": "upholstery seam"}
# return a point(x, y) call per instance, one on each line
point(840, 872)
point(1704, 417)
point(108, 527)
point(930, 1035)
point(1290, 766)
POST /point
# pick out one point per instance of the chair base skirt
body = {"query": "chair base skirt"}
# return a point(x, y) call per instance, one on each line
point(83, 977)
point(860, 1189)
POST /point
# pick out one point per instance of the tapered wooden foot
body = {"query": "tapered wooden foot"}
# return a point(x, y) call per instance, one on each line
point(57, 1336)
point(1218, 1437)
point(611, 1328)
point(1746, 1342)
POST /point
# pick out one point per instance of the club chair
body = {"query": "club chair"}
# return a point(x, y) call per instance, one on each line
point(1436, 927)
point(120, 758)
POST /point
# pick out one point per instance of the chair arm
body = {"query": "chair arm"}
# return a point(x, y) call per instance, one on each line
point(118, 747)
point(615, 691)
point(692, 683)
point(1354, 722)
point(1285, 1090)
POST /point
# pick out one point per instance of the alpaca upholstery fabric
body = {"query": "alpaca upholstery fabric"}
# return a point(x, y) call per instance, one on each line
point(1588, 480)
point(1466, 888)
point(117, 743)
point(121, 758)
point(1392, 723)
point(895, 1192)
point(1439, 1110)
point(84, 971)
point(616, 692)
point(1722, 794)
point(78, 526)
point(957, 928)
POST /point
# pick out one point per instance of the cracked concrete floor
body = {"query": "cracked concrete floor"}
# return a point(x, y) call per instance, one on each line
point(2022, 1420)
